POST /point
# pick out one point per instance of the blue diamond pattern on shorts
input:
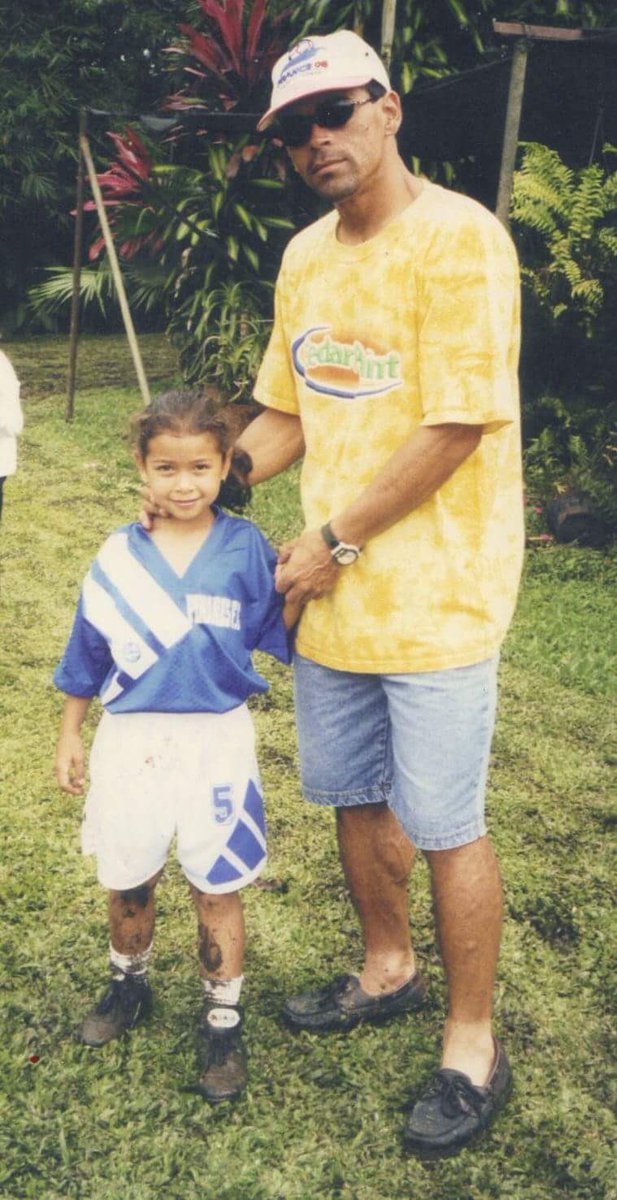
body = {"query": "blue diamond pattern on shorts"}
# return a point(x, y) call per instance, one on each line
point(245, 846)
point(253, 805)
point(222, 872)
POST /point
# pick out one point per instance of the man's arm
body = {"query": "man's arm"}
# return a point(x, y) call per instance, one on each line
point(274, 441)
point(410, 476)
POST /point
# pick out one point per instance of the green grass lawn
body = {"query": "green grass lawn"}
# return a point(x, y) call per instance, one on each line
point(322, 1117)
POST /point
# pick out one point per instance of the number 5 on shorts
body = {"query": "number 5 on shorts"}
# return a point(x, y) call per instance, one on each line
point(223, 803)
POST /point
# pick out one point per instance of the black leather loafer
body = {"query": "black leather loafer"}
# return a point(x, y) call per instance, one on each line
point(343, 1003)
point(451, 1112)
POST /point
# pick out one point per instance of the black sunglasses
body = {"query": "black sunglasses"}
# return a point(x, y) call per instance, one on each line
point(295, 128)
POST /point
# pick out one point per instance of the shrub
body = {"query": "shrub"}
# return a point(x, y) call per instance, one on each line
point(563, 220)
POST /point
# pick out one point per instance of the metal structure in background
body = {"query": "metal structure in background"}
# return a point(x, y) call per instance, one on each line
point(524, 36)
point(516, 95)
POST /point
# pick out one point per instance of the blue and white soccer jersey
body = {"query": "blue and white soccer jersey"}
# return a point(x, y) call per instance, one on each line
point(170, 657)
point(148, 640)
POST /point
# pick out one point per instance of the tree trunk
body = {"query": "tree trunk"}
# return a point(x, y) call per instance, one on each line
point(388, 17)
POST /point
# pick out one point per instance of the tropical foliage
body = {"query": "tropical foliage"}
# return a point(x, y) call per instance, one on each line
point(565, 222)
point(201, 217)
point(213, 212)
point(569, 233)
point(58, 55)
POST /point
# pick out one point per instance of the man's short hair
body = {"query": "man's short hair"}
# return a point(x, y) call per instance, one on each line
point(375, 89)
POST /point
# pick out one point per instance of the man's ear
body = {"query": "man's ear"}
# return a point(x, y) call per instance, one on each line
point(393, 112)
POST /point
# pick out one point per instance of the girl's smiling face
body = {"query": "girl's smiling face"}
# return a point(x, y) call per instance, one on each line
point(184, 472)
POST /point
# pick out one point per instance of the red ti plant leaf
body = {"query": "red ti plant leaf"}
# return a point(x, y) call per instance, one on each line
point(98, 245)
point(254, 31)
point(236, 53)
point(228, 16)
point(128, 173)
point(207, 51)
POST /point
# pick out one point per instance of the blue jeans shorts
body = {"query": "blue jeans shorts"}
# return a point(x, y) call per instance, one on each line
point(418, 742)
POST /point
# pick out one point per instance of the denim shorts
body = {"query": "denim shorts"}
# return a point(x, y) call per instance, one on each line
point(418, 742)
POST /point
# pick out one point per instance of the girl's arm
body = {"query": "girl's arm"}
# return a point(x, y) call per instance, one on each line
point(291, 613)
point(69, 763)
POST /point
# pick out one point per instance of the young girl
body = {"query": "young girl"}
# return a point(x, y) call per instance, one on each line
point(163, 633)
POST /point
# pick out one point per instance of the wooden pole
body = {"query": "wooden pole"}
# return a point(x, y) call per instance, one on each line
point(516, 94)
point(115, 270)
point(388, 19)
point(77, 252)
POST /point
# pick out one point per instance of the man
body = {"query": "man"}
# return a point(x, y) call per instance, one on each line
point(392, 370)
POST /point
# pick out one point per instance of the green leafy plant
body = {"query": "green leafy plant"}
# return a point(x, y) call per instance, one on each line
point(566, 219)
point(201, 221)
point(564, 224)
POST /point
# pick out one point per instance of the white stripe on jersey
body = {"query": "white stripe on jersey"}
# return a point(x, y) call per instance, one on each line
point(145, 596)
point(112, 690)
point(129, 650)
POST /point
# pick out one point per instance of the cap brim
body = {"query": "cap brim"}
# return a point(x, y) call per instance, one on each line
point(313, 89)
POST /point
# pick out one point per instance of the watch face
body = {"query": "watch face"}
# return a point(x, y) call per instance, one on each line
point(345, 555)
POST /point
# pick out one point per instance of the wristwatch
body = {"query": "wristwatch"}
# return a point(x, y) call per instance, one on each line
point(342, 552)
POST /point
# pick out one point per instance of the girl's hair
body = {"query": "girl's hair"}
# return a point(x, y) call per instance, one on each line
point(182, 410)
point(189, 411)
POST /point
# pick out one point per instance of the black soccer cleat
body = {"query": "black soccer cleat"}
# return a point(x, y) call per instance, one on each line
point(126, 1002)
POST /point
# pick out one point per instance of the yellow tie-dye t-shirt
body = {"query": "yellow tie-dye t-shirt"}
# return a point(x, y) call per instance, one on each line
point(418, 326)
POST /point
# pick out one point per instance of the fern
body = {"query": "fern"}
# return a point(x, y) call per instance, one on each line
point(568, 216)
point(564, 223)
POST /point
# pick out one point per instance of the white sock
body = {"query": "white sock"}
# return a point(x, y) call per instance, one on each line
point(129, 964)
point(223, 991)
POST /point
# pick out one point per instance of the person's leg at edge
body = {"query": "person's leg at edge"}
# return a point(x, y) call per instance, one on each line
point(468, 903)
point(377, 858)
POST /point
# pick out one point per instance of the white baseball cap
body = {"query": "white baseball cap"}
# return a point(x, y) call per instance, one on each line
point(323, 64)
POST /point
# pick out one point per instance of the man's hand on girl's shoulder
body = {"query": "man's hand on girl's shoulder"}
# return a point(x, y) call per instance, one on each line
point(149, 509)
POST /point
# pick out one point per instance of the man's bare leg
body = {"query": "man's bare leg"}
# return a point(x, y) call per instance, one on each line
point(467, 896)
point(377, 858)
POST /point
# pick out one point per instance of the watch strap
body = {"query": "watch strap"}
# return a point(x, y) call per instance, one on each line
point(329, 537)
point(335, 546)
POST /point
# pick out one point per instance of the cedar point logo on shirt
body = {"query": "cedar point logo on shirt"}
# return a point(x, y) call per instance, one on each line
point(349, 370)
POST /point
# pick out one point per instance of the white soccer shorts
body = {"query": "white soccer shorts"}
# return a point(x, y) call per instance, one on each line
point(193, 776)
